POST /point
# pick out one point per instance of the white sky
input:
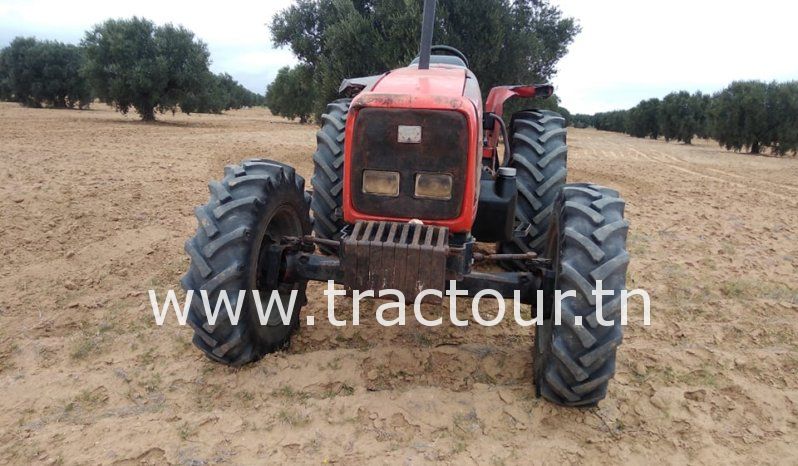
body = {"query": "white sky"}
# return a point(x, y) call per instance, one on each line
point(631, 50)
point(628, 50)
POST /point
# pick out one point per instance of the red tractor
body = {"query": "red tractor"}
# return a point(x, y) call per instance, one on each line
point(407, 177)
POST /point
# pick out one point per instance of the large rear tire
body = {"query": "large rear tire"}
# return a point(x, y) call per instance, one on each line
point(328, 172)
point(575, 361)
point(539, 156)
point(251, 208)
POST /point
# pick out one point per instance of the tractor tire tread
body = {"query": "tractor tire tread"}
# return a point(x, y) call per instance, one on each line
point(581, 353)
point(328, 172)
point(540, 158)
point(219, 252)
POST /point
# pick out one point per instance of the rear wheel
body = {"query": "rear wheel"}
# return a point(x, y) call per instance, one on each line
point(575, 361)
point(539, 157)
point(255, 205)
point(328, 172)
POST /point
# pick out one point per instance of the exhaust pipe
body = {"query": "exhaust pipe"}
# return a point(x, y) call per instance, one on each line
point(427, 26)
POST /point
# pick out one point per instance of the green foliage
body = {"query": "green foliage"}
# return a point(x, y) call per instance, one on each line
point(679, 117)
point(783, 116)
point(615, 120)
point(752, 114)
point(210, 97)
point(238, 96)
point(134, 63)
point(5, 87)
point(701, 104)
point(130, 63)
point(507, 42)
point(582, 120)
point(643, 119)
point(6, 93)
point(219, 93)
point(291, 93)
point(37, 73)
point(746, 115)
point(739, 116)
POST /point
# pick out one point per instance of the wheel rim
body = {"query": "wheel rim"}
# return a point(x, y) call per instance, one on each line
point(543, 332)
point(283, 223)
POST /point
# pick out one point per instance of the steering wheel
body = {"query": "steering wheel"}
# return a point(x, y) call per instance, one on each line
point(450, 51)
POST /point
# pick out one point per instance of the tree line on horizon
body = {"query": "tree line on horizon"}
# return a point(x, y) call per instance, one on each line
point(126, 63)
point(746, 115)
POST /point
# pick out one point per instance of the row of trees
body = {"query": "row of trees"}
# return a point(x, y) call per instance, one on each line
point(506, 42)
point(36, 73)
point(127, 63)
point(746, 115)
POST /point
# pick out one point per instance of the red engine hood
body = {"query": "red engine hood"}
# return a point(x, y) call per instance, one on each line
point(438, 81)
point(439, 88)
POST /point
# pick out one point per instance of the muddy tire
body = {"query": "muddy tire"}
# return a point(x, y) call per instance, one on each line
point(575, 361)
point(539, 157)
point(252, 207)
point(328, 172)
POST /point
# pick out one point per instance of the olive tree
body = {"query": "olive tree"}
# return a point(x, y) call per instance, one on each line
point(739, 117)
point(644, 119)
point(506, 41)
point(43, 73)
point(132, 63)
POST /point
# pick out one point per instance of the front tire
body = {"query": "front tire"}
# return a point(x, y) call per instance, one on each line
point(255, 205)
point(574, 361)
point(328, 172)
point(539, 157)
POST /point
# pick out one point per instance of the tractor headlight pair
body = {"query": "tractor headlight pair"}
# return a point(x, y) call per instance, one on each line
point(428, 185)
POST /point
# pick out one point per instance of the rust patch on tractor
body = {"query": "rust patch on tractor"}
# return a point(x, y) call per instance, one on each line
point(370, 99)
point(382, 100)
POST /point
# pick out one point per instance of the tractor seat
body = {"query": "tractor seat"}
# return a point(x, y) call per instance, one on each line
point(443, 60)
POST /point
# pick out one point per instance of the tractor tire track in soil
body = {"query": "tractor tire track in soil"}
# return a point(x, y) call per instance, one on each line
point(675, 166)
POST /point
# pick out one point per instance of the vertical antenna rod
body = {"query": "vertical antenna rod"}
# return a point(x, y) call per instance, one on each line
point(427, 26)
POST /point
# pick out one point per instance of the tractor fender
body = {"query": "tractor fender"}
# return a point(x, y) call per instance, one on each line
point(351, 87)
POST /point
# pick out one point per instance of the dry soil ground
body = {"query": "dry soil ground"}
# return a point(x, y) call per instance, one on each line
point(96, 207)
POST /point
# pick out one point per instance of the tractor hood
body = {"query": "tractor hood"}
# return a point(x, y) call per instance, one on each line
point(438, 81)
point(443, 106)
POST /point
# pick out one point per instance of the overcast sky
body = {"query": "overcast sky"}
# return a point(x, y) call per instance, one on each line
point(628, 49)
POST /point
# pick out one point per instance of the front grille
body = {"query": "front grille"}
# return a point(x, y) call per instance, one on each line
point(443, 149)
point(389, 255)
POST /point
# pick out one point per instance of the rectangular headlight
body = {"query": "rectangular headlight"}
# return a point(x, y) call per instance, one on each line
point(381, 183)
point(434, 186)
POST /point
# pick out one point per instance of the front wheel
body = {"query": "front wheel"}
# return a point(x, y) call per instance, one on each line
point(255, 205)
point(574, 361)
point(328, 172)
point(539, 156)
